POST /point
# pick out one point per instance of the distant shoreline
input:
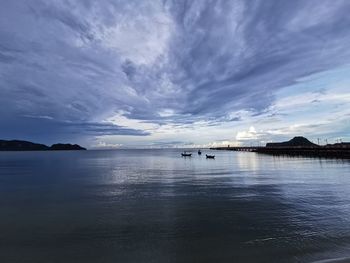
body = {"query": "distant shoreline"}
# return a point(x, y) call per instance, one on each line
point(19, 145)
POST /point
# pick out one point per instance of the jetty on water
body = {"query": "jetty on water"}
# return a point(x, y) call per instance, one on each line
point(298, 146)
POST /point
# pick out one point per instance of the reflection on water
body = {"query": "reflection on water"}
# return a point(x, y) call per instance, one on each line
point(155, 206)
point(248, 161)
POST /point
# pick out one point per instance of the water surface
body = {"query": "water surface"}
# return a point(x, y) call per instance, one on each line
point(155, 206)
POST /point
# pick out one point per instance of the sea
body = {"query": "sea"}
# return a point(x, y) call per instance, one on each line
point(155, 206)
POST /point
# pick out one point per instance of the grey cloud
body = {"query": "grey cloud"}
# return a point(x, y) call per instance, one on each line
point(72, 60)
point(241, 68)
point(46, 129)
point(96, 129)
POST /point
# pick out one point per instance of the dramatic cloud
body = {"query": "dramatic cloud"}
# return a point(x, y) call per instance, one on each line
point(157, 72)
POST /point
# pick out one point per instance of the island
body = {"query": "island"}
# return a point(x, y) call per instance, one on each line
point(66, 146)
point(298, 146)
point(18, 145)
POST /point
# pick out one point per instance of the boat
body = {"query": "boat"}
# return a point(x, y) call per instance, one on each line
point(185, 154)
point(210, 156)
point(199, 152)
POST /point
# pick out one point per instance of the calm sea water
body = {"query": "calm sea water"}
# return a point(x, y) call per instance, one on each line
point(155, 206)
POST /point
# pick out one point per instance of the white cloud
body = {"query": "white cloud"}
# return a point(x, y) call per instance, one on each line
point(105, 145)
point(251, 134)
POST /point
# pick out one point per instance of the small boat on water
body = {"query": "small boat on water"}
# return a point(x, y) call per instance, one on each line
point(210, 156)
point(199, 152)
point(185, 154)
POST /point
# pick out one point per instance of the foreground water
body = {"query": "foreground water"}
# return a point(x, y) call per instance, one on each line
point(154, 206)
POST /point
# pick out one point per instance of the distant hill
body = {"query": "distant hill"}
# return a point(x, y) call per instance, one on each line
point(67, 146)
point(17, 145)
point(298, 141)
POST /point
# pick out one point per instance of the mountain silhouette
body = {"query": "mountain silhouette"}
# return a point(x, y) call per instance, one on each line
point(297, 141)
point(18, 145)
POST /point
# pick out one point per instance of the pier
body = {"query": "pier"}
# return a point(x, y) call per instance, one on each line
point(238, 148)
point(324, 152)
point(298, 146)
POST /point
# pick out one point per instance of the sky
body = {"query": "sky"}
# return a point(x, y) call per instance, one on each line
point(162, 73)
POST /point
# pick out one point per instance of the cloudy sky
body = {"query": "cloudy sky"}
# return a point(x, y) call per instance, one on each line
point(114, 73)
